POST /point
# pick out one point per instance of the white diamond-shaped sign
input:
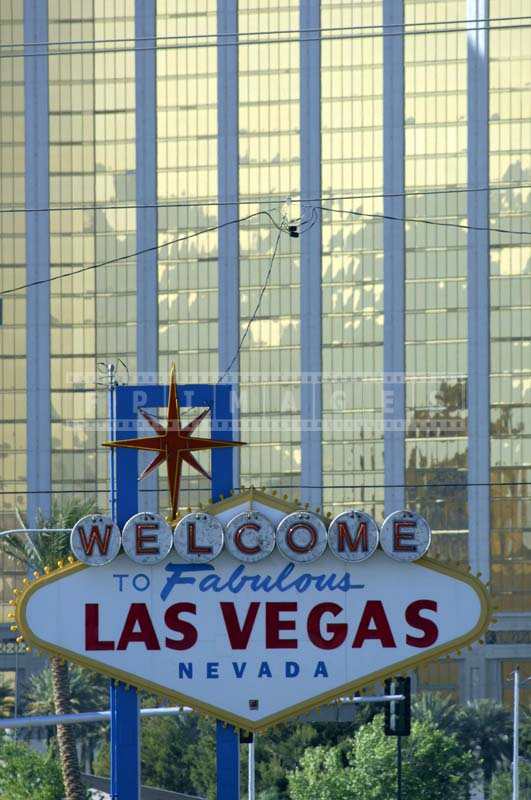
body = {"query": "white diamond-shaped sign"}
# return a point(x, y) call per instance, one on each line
point(253, 643)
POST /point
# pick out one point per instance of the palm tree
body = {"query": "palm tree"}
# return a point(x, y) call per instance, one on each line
point(486, 726)
point(88, 692)
point(482, 726)
point(438, 708)
point(7, 699)
point(35, 552)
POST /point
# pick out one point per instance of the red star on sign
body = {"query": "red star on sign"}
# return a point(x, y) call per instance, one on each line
point(173, 444)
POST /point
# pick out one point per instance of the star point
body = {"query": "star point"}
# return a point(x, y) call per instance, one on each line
point(174, 444)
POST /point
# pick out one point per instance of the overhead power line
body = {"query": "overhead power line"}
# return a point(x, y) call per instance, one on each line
point(127, 256)
point(360, 214)
point(424, 221)
point(253, 316)
point(297, 486)
point(283, 40)
point(281, 31)
point(270, 201)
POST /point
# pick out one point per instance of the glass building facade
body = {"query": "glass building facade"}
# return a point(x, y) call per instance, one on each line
point(381, 356)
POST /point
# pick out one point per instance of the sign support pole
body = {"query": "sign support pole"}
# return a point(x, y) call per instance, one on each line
point(227, 736)
point(125, 725)
point(125, 717)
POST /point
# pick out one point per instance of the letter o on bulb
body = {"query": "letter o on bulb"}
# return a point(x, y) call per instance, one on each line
point(250, 537)
point(301, 536)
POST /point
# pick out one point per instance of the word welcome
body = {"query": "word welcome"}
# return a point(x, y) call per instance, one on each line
point(302, 536)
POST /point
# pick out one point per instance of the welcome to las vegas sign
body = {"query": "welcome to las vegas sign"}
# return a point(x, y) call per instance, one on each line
point(253, 610)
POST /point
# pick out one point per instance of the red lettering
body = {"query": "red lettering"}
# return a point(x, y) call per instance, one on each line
point(243, 548)
point(141, 539)
point(374, 613)
point(337, 629)
point(186, 629)
point(400, 536)
point(292, 544)
point(94, 538)
point(344, 538)
point(92, 629)
point(138, 615)
point(239, 635)
point(193, 547)
point(274, 625)
point(427, 626)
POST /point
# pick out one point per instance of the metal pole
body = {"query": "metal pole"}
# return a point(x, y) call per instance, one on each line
point(103, 716)
point(250, 777)
point(125, 719)
point(227, 736)
point(399, 767)
point(516, 723)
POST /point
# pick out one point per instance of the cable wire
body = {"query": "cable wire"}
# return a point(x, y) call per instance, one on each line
point(293, 486)
point(256, 310)
point(138, 252)
point(127, 256)
point(286, 40)
point(281, 31)
point(270, 201)
point(424, 221)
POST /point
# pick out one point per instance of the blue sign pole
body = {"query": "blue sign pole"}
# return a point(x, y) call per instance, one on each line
point(227, 736)
point(124, 402)
point(125, 719)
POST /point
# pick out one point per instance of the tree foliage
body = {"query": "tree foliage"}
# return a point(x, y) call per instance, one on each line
point(434, 766)
point(28, 775)
point(38, 551)
point(88, 691)
point(482, 726)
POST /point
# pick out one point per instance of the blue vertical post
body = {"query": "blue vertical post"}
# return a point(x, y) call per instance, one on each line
point(125, 718)
point(227, 736)
point(125, 739)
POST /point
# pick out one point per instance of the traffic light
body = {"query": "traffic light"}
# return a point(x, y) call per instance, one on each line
point(398, 712)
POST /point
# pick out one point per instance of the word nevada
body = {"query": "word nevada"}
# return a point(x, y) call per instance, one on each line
point(301, 536)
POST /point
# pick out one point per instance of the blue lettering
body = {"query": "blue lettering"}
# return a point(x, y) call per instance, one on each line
point(183, 574)
point(212, 669)
point(239, 669)
point(320, 670)
point(210, 583)
point(176, 576)
point(121, 581)
point(264, 670)
point(145, 581)
point(303, 583)
point(292, 669)
point(186, 670)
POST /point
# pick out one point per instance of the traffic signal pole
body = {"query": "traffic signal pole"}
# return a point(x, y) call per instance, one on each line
point(399, 767)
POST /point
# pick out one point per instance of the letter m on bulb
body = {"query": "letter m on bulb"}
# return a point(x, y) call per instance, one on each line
point(88, 543)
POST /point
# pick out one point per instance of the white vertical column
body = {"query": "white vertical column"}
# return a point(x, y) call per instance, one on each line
point(310, 254)
point(146, 213)
point(228, 236)
point(146, 185)
point(37, 257)
point(394, 257)
point(478, 391)
point(478, 262)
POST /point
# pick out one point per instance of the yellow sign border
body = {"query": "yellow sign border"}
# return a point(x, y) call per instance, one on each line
point(292, 711)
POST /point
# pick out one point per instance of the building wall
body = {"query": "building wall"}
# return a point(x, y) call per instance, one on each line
point(97, 178)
